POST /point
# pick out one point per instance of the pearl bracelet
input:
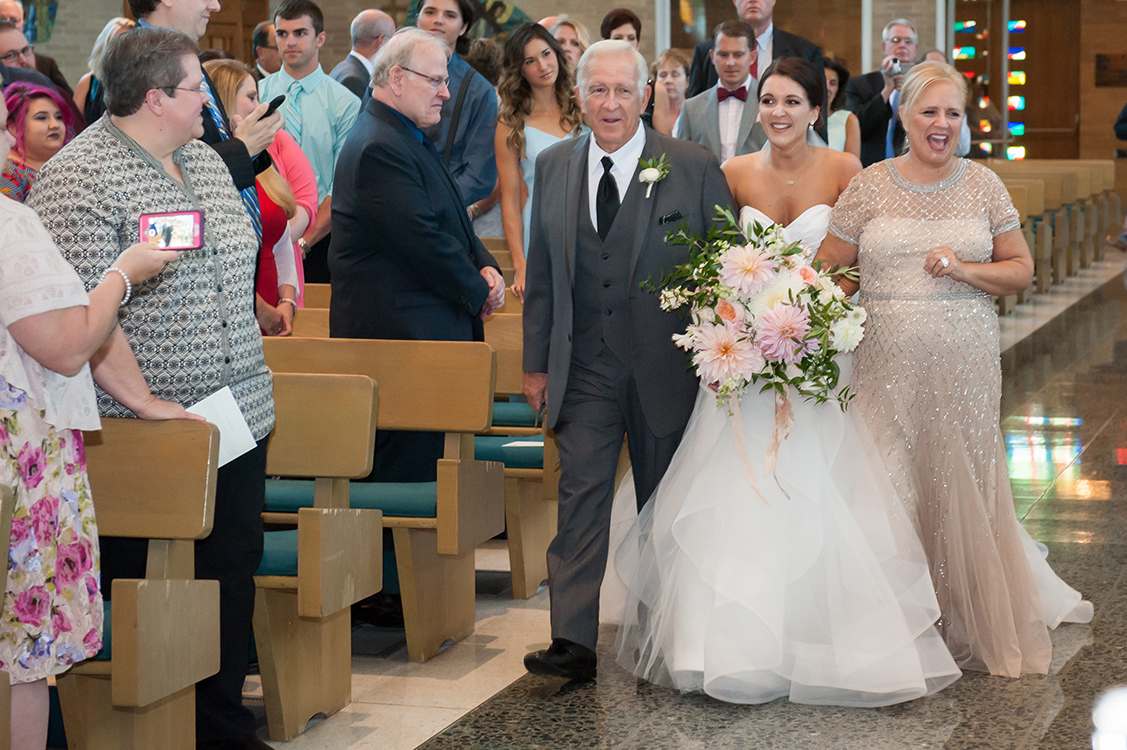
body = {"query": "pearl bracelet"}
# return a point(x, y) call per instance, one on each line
point(128, 284)
point(287, 299)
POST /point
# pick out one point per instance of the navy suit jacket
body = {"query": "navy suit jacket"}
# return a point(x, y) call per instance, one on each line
point(404, 260)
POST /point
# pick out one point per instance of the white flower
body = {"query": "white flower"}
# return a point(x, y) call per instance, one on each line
point(858, 315)
point(793, 371)
point(685, 340)
point(845, 335)
point(671, 299)
point(703, 315)
point(786, 283)
point(649, 176)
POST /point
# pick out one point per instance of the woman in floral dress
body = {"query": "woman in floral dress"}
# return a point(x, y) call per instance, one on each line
point(49, 328)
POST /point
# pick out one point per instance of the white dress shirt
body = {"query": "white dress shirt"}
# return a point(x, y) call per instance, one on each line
point(765, 48)
point(625, 165)
point(731, 112)
point(368, 65)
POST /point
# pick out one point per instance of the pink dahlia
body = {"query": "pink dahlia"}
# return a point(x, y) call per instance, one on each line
point(782, 333)
point(747, 270)
point(724, 351)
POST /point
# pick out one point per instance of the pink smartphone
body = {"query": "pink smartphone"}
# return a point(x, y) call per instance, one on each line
point(180, 230)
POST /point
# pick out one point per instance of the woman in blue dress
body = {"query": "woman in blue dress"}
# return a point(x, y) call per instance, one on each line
point(538, 109)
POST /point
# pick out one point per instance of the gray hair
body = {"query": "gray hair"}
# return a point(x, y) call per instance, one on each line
point(900, 22)
point(370, 25)
point(400, 49)
point(146, 58)
point(609, 48)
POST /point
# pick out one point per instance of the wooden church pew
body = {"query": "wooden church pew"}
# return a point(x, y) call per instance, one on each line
point(430, 386)
point(156, 481)
point(310, 577)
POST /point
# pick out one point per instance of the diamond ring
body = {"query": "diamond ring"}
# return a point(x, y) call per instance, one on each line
point(944, 261)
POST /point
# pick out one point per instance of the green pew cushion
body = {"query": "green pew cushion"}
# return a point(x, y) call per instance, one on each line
point(515, 453)
point(411, 499)
point(279, 553)
point(514, 414)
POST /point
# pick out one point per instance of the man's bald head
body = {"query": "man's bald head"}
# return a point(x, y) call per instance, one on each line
point(369, 30)
point(12, 12)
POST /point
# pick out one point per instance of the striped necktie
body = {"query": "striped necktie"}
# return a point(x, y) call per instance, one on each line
point(293, 115)
point(250, 194)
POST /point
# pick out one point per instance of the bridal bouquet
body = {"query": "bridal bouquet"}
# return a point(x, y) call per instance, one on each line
point(760, 314)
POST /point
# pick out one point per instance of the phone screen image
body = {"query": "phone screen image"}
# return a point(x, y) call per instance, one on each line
point(173, 231)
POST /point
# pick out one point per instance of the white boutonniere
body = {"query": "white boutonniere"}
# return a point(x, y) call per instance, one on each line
point(653, 172)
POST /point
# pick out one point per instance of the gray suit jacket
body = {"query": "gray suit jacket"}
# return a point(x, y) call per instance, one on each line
point(688, 195)
point(352, 74)
point(700, 123)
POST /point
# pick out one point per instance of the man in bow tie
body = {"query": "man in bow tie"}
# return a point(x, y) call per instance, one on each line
point(598, 350)
point(723, 117)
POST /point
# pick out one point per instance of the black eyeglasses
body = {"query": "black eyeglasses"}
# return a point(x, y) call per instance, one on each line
point(435, 81)
point(11, 56)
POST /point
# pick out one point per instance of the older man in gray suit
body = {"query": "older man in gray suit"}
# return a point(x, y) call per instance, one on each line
point(722, 118)
point(598, 350)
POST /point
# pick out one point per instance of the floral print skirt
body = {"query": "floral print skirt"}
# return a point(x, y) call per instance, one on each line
point(52, 614)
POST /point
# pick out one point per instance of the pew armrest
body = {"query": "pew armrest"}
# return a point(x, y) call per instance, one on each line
point(471, 504)
point(165, 638)
point(339, 560)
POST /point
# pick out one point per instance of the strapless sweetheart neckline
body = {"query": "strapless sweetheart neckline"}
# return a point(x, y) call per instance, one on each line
point(795, 220)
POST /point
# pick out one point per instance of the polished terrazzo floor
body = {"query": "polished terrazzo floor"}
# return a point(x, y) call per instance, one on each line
point(1065, 420)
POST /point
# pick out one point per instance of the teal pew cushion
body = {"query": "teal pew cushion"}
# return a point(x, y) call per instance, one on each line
point(411, 499)
point(107, 634)
point(514, 452)
point(514, 414)
point(279, 553)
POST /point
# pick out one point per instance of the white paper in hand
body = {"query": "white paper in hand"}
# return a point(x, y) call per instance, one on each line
point(235, 437)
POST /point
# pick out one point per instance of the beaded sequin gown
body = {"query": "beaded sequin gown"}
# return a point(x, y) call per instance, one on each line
point(928, 383)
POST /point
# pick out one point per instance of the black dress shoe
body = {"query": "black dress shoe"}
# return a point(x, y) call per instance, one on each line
point(563, 658)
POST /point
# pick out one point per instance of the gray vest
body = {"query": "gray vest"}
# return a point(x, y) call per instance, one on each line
point(601, 295)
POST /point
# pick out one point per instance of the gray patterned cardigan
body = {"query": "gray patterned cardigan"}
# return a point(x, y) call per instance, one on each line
point(192, 327)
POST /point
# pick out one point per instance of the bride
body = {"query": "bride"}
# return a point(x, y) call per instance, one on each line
point(820, 592)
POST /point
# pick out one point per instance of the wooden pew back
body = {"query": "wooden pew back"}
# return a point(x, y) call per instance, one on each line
point(1034, 193)
point(505, 333)
point(311, 323)
point(312, 412)
point(318, 295)
point(456, 376)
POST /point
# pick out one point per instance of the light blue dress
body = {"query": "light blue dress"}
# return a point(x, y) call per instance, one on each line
point(535, 141)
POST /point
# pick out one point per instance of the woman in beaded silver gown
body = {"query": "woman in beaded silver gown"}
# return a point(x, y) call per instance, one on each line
point(935, 237)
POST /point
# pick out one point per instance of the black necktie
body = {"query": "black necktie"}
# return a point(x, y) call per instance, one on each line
point(606, 201)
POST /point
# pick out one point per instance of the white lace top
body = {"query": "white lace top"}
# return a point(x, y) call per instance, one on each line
point(34, 278)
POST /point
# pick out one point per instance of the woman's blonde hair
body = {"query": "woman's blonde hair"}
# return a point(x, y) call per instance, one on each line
point(228, 76)
point(672, 55)
point(112, 28)
point(580, 30)
point(925, 74)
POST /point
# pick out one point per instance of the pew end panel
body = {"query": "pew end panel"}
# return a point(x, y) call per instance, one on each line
point(153, 480)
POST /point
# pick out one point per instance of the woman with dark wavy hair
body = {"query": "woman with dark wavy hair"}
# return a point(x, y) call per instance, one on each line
point(538, 109)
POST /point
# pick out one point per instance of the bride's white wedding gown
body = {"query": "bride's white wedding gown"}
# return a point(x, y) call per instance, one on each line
point(823, 596)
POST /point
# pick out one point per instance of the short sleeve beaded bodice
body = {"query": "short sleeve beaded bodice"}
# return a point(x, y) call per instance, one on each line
point(928, 383)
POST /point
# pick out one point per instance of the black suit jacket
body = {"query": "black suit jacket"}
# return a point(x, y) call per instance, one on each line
point(404, 260)
point(862, 98)
point(352, 74)
point(783, 44)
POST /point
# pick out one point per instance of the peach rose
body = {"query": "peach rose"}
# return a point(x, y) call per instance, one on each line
point(809, 275)
point(729, 313)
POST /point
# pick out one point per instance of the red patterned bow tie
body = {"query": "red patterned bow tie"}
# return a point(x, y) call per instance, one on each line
point(723, 93)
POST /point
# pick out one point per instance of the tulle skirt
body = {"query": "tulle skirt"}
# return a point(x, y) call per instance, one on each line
point(820, 592)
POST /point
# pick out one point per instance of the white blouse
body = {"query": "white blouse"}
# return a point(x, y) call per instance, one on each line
point(34, 278)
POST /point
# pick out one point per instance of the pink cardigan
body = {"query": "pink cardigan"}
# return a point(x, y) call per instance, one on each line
point(296, 170)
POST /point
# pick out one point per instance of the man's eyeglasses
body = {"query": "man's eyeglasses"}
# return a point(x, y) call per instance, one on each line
point(435, 81)
point(901, 40)
point(194, 90)
point(17, 53)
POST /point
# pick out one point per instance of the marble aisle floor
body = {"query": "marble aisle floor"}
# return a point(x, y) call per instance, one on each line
point(1065, 420)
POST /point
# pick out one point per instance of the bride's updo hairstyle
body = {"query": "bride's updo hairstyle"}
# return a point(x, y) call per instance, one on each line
point(925, 74)
point(805, 75)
